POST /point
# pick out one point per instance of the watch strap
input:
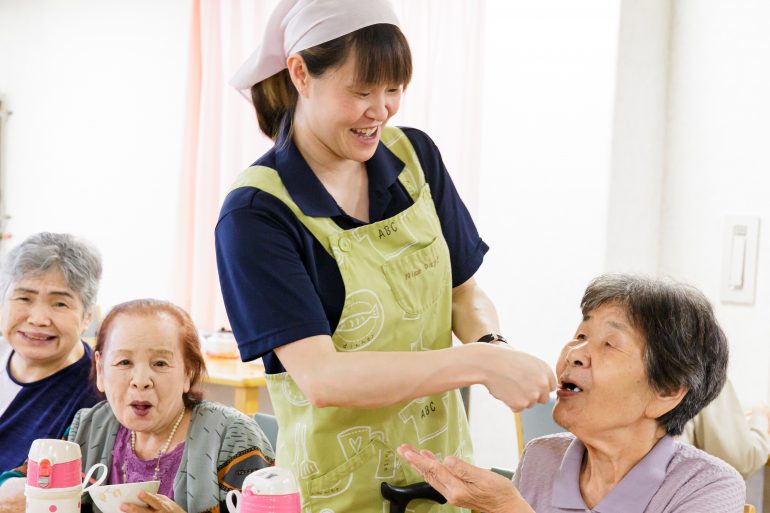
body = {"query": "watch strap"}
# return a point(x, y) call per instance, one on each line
point(492, 337)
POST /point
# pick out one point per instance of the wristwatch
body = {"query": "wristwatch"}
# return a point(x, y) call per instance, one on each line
point(493, 337)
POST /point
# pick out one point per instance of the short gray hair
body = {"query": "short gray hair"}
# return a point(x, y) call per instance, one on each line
point(685, 347)
point(78, 261)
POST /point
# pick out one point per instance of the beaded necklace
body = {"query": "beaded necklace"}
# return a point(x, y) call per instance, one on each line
point(162, 450)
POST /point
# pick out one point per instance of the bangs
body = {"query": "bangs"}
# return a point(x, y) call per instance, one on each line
point(382, 56)
point(380, 53)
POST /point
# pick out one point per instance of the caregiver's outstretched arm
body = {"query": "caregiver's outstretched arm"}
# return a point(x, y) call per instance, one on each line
point(473, 316)
point(465, 485)
point(371, 379)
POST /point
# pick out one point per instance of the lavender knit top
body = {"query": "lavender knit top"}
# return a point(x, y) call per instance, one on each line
point(672, 478)
point(142, 470)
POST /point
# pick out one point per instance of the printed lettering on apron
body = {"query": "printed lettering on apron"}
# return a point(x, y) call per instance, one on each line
point(428, 417)
point(387, 230)
point(400, 238)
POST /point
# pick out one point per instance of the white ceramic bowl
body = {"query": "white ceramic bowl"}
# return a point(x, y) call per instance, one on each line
point(109, 497)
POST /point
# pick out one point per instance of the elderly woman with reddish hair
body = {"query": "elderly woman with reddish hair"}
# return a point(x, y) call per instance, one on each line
point(153, 425)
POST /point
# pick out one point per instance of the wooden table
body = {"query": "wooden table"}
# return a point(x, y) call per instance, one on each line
point(244, 378)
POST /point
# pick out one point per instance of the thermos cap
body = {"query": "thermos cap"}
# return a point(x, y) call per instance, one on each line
point(271, 481)
point(56, 451)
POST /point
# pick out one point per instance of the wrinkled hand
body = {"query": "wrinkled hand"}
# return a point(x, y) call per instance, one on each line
point(155, 503)
point(465, 485)
point(12, 496)
point(518, 379)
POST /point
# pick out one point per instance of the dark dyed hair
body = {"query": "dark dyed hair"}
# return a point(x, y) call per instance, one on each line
point(194, 364)
point(382, 57)
point(685, 347)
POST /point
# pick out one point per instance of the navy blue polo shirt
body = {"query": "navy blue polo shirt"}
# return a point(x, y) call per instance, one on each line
point(278, 282)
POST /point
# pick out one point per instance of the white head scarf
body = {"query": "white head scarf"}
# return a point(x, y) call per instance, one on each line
point(296, 25)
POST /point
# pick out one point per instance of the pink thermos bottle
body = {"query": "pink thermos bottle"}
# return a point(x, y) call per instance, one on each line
point(54, 482)
point(268, 490)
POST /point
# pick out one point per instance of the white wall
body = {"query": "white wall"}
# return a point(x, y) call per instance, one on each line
point(94, 142)
point(639, 137)
point(544, 180)
point(718, 164)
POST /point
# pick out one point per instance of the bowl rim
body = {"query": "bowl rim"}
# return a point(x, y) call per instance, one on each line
point(115, 485)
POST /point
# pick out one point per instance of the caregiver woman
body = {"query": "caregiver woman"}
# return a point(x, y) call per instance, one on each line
point(346, 260)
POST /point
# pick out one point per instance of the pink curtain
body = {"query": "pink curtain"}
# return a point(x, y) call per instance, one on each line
point(222, 137)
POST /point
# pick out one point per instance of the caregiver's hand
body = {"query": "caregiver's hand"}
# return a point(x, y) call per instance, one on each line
point(464, 485)
point(155, 503)
point(518, 379)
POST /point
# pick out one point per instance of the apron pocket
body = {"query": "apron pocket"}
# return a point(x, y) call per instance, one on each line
point(420, 278)
point(355, 484)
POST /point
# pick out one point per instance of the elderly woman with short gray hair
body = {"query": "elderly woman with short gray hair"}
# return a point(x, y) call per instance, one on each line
point(647, 357)
point(48, 286)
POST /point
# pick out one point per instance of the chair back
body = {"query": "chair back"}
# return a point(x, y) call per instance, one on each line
point(535, 422)
point(269, 425)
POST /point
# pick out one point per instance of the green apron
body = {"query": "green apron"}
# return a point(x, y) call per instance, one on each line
point(398, 286)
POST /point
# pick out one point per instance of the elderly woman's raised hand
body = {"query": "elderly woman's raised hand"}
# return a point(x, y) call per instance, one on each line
point(155, 503)
point(465, 485)
point(518, 379)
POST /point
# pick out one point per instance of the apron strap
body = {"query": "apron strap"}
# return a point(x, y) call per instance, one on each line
point(266, 179)
point(412, 176)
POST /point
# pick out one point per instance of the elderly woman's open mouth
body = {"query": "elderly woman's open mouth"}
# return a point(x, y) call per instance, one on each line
point(568, 388)
point(141, 408)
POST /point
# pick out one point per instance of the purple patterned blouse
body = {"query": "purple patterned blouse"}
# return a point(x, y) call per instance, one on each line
point(128, 468)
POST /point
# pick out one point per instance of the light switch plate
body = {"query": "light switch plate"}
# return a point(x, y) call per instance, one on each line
point(740, 242)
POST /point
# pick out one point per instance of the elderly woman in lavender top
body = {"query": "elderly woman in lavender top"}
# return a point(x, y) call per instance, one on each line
point(647, 357)
point(153, 425)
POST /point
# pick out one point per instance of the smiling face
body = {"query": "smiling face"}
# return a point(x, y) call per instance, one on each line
point(43, 319)
point(142, 371)
point(338, 118)
point(603, 382)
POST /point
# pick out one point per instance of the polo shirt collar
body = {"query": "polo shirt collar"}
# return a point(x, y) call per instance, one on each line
point(311, 196)
point(630, 495)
